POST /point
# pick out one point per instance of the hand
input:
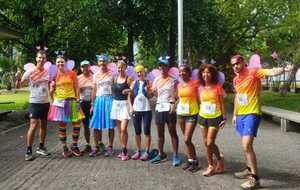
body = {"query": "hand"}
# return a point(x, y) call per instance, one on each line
point(172, 108)
point(92, 109)
point(234, 121)
point(126, 91)
point(222, 124)
point(52, 86)
point(130, 110)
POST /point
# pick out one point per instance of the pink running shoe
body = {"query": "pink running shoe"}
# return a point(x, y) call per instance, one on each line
point(109, 152)
point(136, 155)
point(125, 157)
point(144, 157)
point(67, 153)
point(120, 155)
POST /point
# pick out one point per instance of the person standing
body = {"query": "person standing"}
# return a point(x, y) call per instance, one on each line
point(101, 108)
point(85, 85)
point(212, 116)
point(38, 104)
point(247, 112)
point(65, 107)
point(142, 113)
point(187, 114)
point(164, 87)
point(121, 106)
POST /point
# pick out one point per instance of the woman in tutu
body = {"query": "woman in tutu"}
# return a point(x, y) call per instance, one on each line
point(65, 107)
point(101, 107)
point(122, 106)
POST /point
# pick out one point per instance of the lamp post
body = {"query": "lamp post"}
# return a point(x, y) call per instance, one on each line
point(180, 32)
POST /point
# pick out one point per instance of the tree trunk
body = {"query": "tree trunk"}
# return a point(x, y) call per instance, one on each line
point(287, 84)
point(130, 45)
point(172, 34)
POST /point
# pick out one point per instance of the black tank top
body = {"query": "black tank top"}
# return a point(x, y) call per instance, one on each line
point(118, 88)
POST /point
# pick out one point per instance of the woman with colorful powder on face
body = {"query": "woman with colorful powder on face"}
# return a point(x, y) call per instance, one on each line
point(65, 107)
point(212, 116)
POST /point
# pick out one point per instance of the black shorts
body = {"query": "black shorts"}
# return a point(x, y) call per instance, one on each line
point(38, 111)
point(210, 122)
point(138, 117)
point(86, 107)
point(162, 118)
point(188, 119)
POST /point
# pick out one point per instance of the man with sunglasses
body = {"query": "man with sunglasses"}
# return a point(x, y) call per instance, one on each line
point(247, 112)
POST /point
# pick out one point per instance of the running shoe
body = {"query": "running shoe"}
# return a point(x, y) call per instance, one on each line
point(42, 151)
point(108, 152)
point(176, 161)
point(66, 153)
point(29, 156)
point(251, 183)
point(243, 174)
point(75, 150)
point(209, 171)
point(125, 157)
point(220, 165)
point(187, 165)
point(136, 155)
point(194, 167)
point(94, 152)
point(159, 158)
point(120, 155)
point(145, 156)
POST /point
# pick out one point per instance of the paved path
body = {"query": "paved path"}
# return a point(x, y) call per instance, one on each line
point(278, 158)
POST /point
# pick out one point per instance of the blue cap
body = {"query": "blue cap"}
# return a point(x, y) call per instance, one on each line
point(102, 57)
point(164, 60)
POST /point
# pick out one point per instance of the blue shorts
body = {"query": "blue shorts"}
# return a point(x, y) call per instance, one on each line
point(247, 125)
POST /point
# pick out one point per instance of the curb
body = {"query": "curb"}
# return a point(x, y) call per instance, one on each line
point(13, 129)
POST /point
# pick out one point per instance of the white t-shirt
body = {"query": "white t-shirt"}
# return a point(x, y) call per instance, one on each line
point(104, 82)
point(165, 88)
point(141, 102)
point(85, 85)
point(38, 84)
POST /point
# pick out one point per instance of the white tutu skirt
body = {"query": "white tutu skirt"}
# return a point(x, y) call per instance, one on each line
point(120, 110)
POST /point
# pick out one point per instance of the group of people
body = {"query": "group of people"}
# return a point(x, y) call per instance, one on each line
point(103, 101)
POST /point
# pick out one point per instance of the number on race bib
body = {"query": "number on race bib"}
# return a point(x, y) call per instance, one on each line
point(161, 107)
point(242, 99)
point(208, 108)
point(183, 109)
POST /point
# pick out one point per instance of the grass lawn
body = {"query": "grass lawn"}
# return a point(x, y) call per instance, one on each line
point(20, 98)
point(289, 102)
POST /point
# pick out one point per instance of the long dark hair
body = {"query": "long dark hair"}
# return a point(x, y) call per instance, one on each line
point(212, 69)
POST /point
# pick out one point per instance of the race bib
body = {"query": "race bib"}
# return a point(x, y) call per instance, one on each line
point(208, 108)
point(183, 109)
point(59, 103)
point(242, 99)
point(38, 90)
point(161, 107)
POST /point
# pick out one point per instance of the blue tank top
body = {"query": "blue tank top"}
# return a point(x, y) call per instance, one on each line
point(118, 88)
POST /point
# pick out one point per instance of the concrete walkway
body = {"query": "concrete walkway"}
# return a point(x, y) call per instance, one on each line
point(278, 160)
